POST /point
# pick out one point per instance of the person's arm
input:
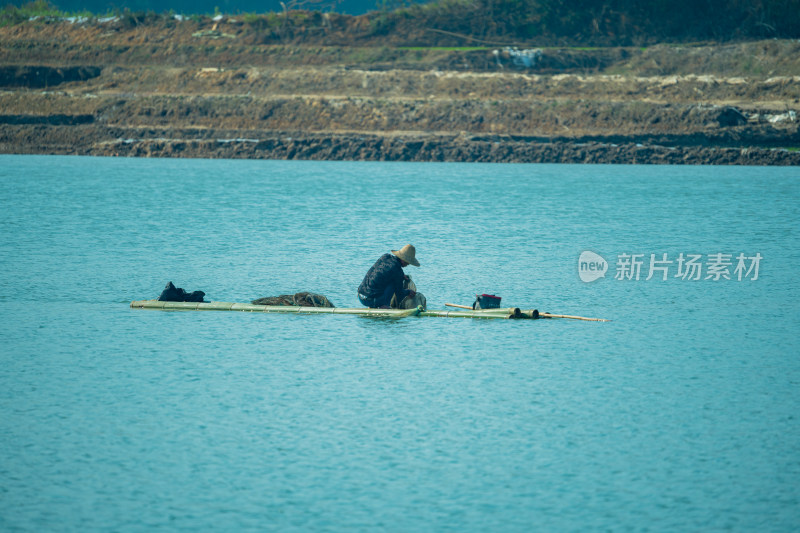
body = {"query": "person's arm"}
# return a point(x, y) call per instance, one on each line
point(398, 278)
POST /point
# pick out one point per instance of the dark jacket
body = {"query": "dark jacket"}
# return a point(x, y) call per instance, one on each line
point(385, 272)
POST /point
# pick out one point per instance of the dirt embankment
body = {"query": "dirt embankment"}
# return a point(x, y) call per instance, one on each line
point(100, 89)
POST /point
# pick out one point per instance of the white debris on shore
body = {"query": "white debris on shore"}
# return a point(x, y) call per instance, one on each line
point(520, 58)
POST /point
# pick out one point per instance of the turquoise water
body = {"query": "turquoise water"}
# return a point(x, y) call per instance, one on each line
point(679, 415)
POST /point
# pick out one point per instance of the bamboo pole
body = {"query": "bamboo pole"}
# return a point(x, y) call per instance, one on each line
point(510, 312)
point(515, 311)
point(531, 314)
point(464, 314)
point(359, 311)
point(461, 306)
point(230, 306)
point(409, 312)
point(550, 315)
point(181, 305)
point(246, 307)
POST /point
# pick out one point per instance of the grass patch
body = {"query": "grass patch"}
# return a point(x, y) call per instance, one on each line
point(12, 14)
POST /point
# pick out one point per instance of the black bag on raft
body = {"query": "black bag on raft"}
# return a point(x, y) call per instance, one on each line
point(173, 294)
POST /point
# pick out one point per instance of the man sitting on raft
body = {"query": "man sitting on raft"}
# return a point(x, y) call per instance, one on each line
point(385, 278)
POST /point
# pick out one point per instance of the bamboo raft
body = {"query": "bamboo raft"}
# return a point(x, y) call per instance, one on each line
point(508, 313)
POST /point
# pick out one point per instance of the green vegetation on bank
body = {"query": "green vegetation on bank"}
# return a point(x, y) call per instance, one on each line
point(12, 14)
point(41, 10)
point(480, 23)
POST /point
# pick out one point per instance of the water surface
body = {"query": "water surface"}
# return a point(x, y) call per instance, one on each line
point(680, 414)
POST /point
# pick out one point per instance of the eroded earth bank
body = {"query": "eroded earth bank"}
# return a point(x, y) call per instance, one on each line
point(213, 89)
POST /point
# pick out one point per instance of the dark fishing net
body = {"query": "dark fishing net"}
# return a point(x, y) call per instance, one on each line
point(302, 299)
point(410, 302)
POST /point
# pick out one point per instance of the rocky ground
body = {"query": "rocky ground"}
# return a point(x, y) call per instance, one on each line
point(215, 89)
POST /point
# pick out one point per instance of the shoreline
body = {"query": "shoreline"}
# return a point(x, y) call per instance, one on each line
point(367, 147)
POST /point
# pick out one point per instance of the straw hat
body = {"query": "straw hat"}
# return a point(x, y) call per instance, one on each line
point(408, 254)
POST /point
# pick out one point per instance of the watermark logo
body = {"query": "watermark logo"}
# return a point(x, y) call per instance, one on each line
point(591, 266)
point(688, 267)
